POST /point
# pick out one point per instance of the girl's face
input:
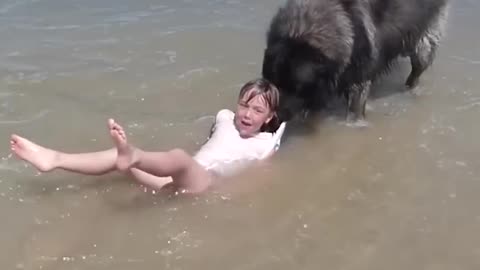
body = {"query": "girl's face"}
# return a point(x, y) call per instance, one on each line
point(251, 115)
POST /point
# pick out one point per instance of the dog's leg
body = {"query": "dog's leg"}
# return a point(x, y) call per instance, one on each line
point(423, 54)
point(420, 60)
point(357, 101)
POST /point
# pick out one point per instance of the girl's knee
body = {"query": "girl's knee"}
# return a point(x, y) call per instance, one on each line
point(179, 153)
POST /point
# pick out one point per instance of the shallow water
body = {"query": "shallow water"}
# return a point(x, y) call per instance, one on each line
point(398, 194)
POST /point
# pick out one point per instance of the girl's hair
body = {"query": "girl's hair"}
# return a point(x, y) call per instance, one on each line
point(271, 95)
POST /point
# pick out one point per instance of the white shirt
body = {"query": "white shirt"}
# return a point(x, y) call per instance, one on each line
point(226, 150)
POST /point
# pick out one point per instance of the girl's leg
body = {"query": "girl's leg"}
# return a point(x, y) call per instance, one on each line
point(149, 180)
point(45, 159)
point(186, 173)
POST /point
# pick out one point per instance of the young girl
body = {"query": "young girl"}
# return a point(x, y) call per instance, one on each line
point(252, 133)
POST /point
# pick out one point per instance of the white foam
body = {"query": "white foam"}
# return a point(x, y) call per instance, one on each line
point(202, 71)
point(23, 121)
point(468, 106)
point(5, 166)
point(204, 118)
point(465, 60)
point(14, 54)
point(10, 6)
point(357, 124)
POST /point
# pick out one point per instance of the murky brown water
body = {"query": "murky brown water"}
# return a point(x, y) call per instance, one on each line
point(400, 194)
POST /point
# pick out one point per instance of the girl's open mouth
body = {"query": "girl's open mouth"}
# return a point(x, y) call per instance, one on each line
point(244, 123)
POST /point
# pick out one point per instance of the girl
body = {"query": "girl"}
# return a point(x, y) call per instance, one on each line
point(253, 132)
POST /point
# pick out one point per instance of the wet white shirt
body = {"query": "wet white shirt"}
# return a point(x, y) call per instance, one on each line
point(226, 151)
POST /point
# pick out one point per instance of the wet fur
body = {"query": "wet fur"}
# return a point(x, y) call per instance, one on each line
point(319, 49)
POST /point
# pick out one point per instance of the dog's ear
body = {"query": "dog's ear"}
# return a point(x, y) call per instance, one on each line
point(290, 106)
point(284, 115)
point(274, 59)
point(267, 65)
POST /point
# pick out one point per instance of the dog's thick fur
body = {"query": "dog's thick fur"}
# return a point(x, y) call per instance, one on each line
point(320, 48)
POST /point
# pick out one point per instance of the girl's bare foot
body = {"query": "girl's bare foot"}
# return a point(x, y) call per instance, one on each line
point(42, 158)
point(126, 154)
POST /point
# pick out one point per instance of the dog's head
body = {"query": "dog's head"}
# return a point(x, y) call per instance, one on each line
point(304, 76)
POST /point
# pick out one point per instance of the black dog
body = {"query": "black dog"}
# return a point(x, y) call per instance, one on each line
point(318, 49)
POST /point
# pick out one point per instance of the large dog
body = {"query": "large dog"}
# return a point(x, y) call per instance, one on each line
point(317, 49)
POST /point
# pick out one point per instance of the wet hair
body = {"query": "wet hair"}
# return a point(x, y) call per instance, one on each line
point(270, 94)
